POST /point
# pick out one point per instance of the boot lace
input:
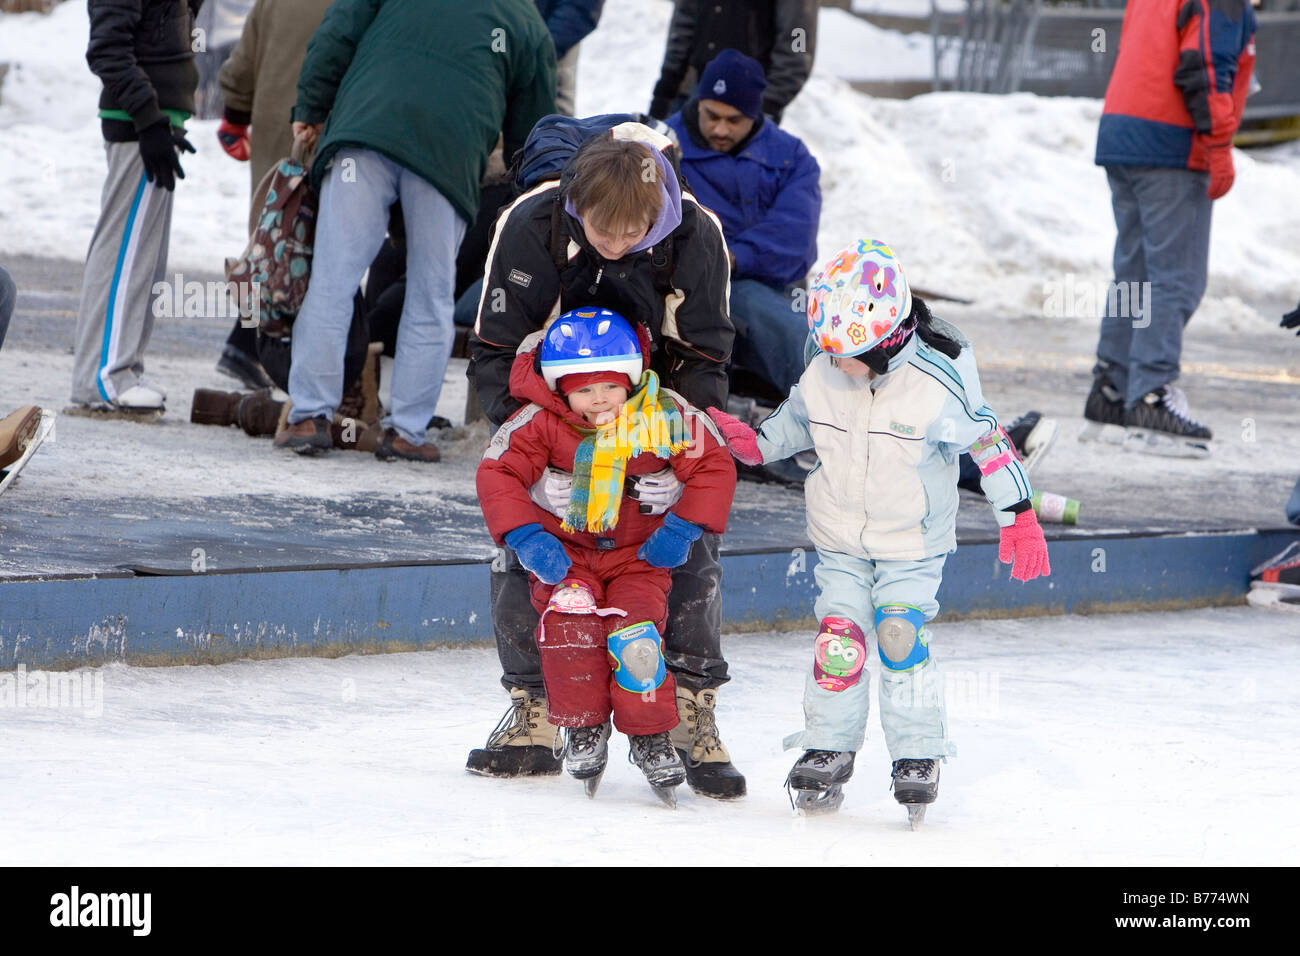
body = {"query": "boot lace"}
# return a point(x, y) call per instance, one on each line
point(704, 734)
point(922, 770)
point(1175, 401)
point(650, 749)
point(580, 739)
point(516, 722)
point(819, 758)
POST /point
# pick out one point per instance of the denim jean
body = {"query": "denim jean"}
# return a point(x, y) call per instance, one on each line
point(352, 221)
point(1162, 221)
point(770, 333)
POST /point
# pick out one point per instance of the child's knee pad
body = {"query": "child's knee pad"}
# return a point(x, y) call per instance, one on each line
point(839, 654)
point(901, 637)
point(637, 655)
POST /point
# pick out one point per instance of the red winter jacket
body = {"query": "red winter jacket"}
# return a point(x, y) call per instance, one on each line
point(545, 432)
point(1180, 82)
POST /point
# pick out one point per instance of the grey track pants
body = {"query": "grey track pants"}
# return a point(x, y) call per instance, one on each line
point(128, 255)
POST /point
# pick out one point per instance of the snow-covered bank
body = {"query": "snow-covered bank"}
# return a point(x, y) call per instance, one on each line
point(990, 198)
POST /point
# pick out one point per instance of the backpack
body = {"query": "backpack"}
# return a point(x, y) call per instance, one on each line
point(278, 257)
point(548, 149)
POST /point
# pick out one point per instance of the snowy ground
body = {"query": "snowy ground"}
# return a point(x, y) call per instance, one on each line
point(1126, 740)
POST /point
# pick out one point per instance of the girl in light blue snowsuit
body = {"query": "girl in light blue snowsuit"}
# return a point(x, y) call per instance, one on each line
point(889, 401)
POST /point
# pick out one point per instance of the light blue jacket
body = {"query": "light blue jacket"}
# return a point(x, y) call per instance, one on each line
point(886, 485)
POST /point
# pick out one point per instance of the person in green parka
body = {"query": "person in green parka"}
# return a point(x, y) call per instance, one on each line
point(404, 100)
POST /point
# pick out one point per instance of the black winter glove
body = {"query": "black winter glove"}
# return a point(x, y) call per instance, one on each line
point(158, 146)
point(1292, 320)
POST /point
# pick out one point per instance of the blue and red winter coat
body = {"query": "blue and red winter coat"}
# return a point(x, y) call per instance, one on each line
point(545, 431)
point(766, 193)
point(1180, 82)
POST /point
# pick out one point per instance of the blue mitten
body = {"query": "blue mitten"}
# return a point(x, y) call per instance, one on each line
point(540, 552)
point(671, 543)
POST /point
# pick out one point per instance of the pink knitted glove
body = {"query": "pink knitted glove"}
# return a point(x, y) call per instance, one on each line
point(1023, 547)
point(742, 441)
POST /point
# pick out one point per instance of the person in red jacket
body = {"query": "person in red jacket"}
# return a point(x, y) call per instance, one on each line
point(599, 573)
point(1172, 106)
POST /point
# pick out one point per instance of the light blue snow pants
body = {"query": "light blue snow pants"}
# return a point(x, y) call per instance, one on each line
point(912, 701)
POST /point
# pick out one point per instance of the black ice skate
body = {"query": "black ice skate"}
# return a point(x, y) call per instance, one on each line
point(661, 764)
point(1161, 424)
point(1103, 413)
point(586, 751)
point(816, 781)
point(916, 786)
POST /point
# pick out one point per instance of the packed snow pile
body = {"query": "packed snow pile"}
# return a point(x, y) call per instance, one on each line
point(990, 198)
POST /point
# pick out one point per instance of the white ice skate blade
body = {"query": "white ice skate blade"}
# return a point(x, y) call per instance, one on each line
point(591, 784)
point(668, 795)
point(1272, 599)
point(813, 803)
point(1108, 434)
point(10, 473)
point(916, 815)
point(1166, 446)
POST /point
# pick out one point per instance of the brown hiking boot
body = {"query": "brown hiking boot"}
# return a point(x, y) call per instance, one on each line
point(393, 445)
point(16, 433)
point(213, 407)
point(709, 770)
point(258, 413)
point(306, 438)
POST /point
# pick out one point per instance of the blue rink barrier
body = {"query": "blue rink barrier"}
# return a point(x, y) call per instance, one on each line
point(206, 618)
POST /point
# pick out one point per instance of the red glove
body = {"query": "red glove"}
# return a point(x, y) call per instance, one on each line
point(1023, 546)
point(1221, 170)
point(741, 440)
point(233, 139)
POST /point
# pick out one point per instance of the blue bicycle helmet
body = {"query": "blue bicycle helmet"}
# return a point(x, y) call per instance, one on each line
point(590, 340)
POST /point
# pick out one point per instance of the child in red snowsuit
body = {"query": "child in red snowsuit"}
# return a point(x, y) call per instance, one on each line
point(599, 573)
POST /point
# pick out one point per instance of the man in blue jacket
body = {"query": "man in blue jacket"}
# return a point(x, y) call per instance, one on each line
point(762, 183)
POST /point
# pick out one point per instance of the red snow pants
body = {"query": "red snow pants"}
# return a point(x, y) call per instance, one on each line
point(576, 668)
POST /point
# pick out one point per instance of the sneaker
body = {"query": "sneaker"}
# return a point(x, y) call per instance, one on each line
point(916, 781)
point(243, 368)
point(1161, 423)
point(393, 445)
point(1103, 413)
point(1280, 572)
point(522, 743)
point(709, 770)
point(141, 397)
point(310, 437)
point(586, 750)
point(655, 755)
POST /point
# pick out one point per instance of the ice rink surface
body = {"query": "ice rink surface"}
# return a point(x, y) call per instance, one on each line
point(1121, 740)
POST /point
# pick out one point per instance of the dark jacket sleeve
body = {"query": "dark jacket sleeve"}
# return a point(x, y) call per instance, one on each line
point(531, 93)
point(780, 249)
point(697, 327)
point(792, 53)
point(111, 55)
point(677, 53)
point(520, 288)
point(570, 21)
point(329, 54)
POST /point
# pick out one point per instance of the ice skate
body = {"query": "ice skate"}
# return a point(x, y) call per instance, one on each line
point(1103, 414)
point(816, 781)
point(1033, 435)
point(916, 786)
point(661, 764)
point(586, 751)
point(1161, 424)
point(521, 745)
point(1275, 584)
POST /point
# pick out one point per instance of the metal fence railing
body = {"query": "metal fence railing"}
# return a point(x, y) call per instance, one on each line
point(1003, 46)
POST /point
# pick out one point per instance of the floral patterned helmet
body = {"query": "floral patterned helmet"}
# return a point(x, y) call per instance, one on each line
point(859, 299)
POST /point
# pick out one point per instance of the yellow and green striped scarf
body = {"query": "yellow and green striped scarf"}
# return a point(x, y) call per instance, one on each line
point(647, 421)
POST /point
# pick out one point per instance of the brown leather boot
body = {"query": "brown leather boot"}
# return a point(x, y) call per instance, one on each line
point(393, 445)
point(306, 438)
point(213, 407)
point(258, 414)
